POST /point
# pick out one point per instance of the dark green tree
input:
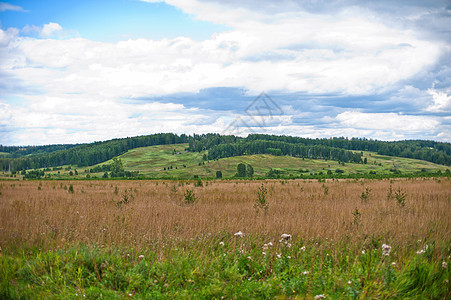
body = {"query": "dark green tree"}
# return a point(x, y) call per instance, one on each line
point(241, 170)
point(249, 171)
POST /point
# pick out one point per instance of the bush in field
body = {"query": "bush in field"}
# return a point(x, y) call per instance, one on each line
point(126, 197)
point(400, 197)
point(262, 202)
point(190, 197)
point(390, 193)
point(198, 182)
point(365, 195)
point(356, 217)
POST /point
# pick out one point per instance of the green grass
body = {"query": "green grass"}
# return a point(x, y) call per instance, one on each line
point(156, 162)
point(4, 154)
point(151, 161)
point(238, 269)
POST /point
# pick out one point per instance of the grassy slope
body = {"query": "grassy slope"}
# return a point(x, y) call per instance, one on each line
point(152, 161)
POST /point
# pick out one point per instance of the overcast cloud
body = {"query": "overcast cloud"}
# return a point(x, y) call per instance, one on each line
point(375, 69)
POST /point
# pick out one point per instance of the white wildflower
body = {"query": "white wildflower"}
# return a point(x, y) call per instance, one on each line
point(279, 256)
point(289, 245)
point(141, 256)
point(303, 248)
point(423, 250)
point(249, 257)
point(288, 257)
point(221, 243)
point(264, 253)
point(321, 296)
point(270, 244)
point(305, 273)
point(239, 234)
point(386, 249)
point(349, 282)
point(285, 237)
point(444, 265)
point(363, 251)
point(393, 264)
point(265, 247)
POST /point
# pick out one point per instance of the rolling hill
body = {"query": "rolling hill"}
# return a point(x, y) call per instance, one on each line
point(174, 161)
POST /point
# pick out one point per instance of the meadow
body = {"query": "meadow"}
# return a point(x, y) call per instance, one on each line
point(165, 239)
point(173, 162)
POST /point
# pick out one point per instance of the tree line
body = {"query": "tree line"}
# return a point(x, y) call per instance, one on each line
point(88, 154)
point(282, 148)
point(432, 151)
point(220, 146)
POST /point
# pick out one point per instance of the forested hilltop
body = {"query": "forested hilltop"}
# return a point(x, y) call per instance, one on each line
point(341, 149)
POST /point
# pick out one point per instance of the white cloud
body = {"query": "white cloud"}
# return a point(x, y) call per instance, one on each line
point(387, 121)
point(49, 29)
point(351, 56)
point(83, 82)
point(7, 6)
point(442, 101)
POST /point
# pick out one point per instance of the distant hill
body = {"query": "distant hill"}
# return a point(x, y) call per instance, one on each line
point(215, 146)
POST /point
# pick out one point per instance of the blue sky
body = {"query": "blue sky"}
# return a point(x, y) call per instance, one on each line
point(81, 71)
point(110, 21)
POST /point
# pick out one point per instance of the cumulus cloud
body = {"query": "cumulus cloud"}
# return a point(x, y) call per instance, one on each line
point(366, 60)
point(442, 101)
point(330, 52)
point(48, 30)
point(387, 121)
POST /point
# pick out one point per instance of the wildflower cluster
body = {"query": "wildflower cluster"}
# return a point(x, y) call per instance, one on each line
point(266, 247)
point(285, 239)
point(425, 248)
point(386, 249)
point(239, 234)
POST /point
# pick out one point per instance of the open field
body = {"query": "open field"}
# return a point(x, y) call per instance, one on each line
point(86, 237)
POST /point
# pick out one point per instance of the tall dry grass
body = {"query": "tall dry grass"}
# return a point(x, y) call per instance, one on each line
point(45, 213)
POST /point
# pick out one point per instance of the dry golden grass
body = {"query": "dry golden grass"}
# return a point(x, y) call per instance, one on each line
point(45, 213)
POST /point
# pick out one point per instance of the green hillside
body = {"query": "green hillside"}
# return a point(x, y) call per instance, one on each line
point(156, 161)
point(175, 161)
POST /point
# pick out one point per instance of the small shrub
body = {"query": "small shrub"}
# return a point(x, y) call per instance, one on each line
point(126, 197)
point(400, 197)
point(365, 195)
point(326, 189)
point(71, 189)
point(390, 193)
point(261, 202)
point(198, 182)
point(356, 217)
point(190, 197)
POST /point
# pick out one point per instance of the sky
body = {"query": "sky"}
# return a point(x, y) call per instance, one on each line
point(84, 71)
